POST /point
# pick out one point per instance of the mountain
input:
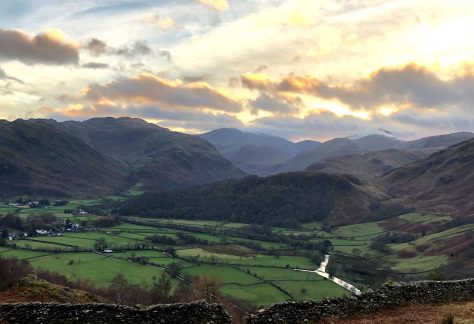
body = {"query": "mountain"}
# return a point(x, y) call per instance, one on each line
point(283, 199)
point(255, 153)
point(440, 141)
point(441, 182)
point(157, 157)
point(377, 142)
point(329, 149)
point(369, 165)
point(257, 159)
point(41, 157)
point(306, 145)
point(370, 143)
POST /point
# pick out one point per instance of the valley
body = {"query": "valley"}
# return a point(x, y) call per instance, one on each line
point(256, 266)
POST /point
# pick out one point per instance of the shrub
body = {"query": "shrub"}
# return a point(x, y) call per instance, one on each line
point(448, 319)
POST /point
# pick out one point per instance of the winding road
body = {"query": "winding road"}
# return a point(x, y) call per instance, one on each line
point(322, 272)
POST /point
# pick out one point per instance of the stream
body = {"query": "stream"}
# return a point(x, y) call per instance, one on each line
point(322, 272)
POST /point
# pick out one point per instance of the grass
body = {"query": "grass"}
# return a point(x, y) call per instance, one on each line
point(364, 230)
point(262, 294)
point(424, 218)
point(245, 273)
point(39, 245)
point(281, 274)
point(417, 264)
point(98, 269)
point(22, 254)
point(256, 260)
point(308, 290)
point(225, 274)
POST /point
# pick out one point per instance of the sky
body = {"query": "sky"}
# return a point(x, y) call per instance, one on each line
point(300, 69)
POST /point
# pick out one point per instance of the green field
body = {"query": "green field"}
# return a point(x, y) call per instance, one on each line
point(99, 269)
point(258, 271)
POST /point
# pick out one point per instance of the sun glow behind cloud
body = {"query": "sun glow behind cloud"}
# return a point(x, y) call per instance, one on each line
point(194, 66)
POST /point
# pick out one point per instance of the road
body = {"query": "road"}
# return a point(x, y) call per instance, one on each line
point(322, 272)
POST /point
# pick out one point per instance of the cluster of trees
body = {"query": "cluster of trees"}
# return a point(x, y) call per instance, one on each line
point(162, 239)
point(30, 224)
point(187, 239)
point(358, 269)
point(12, 270)
point(381, 241)
point(284, 200)
point(107, 221)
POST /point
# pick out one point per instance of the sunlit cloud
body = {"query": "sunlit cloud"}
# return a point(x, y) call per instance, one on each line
point(219, 5)
point(296, 68)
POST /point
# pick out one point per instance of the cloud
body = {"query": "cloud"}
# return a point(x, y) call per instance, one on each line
point(137, 49)
point(167, 55)
point(95, 65)
point(97, 47)
point(5, 76)
point(50, 47)
point(147, 88)
point(176, 118)
point(407, 86)
point(273, 104)
point(219, 5)
point(317, 125)
point(164, 23)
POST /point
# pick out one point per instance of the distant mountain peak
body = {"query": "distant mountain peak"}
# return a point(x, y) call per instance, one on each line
point(255, 153)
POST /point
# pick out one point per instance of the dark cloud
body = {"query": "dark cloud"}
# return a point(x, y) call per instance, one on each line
point(139, 48)
point(45, 48)
point(321, 125)
point(95, 65)
point(167, 55)
point(151, 89)
point(269, 103)
point(97, 47)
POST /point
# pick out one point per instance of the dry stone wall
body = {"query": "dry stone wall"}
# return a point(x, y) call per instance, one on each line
point(36, 313)
point(423, 292)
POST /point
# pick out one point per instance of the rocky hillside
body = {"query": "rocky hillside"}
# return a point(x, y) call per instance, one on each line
point(442, 182)
point(41, 157)
point(369, 165)
point(32, 289)
point(156, 157)
point(439, 141)
point(371, 143)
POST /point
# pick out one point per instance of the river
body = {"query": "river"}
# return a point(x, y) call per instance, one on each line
point(322, 272)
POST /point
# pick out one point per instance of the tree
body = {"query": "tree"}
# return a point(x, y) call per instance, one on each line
point(356, 252)
point(119, 287)
point(161, 290)
point(207, 287)
point(436, 275)
point(174, 269)
point(100, 244)
point(171, 251)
